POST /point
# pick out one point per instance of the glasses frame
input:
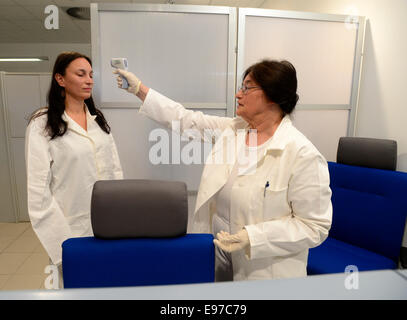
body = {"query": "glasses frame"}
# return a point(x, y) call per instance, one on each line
point(246, 89)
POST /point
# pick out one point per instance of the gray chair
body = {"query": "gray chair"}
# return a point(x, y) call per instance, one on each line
point(367, 152)
point(139, 208)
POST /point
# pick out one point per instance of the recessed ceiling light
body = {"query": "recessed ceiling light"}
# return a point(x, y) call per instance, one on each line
point(82, 13)
point(23, 59)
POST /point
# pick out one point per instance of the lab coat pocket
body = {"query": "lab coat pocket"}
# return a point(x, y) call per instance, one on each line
point(275, 204)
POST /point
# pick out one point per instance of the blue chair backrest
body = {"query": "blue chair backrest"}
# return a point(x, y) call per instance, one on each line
point(369, 207)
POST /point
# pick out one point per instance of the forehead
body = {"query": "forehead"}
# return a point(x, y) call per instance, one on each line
point(248, 79)
point(80, 63)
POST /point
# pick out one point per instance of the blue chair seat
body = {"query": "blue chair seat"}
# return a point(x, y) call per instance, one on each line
point(333, 256)
point(92, 262)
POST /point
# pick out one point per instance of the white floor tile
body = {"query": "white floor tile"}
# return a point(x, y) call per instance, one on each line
point(24, 282)
point(5, 242)
point(23, 245)
point(34, 265)
point(3, 279)
point(10, 262)
point(29, 232)
point(22, 258)
point(14, 229)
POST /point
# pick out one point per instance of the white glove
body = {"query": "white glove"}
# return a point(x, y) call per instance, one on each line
point(133, 81)
point(232, 242)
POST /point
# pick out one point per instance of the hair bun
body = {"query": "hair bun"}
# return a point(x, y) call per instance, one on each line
point(289, 104)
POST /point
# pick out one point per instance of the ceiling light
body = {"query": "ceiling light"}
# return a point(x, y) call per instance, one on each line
point(23, 59)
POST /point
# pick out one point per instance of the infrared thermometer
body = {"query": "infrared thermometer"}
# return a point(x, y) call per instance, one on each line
point(120, 63)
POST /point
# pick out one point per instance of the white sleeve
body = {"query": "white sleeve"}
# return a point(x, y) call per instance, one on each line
point(117, 168)
point(47, 218)
point(309, 196)
point(174, 116)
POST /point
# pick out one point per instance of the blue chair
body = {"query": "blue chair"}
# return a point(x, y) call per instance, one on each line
point(141, 239)
point(369, 210)
point(91, 262)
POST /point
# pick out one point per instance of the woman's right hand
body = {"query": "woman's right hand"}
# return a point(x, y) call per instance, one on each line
point(133, 81)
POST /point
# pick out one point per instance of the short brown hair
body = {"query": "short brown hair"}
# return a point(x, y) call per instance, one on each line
point(278, 80)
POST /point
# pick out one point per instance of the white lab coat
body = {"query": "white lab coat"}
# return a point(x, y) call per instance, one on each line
point(60, 177)
point(284, 220)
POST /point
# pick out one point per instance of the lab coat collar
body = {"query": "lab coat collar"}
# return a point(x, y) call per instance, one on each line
point(88, 115)
point(76, 127)
point(280, 138)
point(277, 142)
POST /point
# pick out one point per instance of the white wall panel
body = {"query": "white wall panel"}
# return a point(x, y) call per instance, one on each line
point(17, 146)
point(23, 94)
point(322, 52)
point(8, 211)
point(182, 55)
point(323, 128)
point(23, 97)
point(45, 83)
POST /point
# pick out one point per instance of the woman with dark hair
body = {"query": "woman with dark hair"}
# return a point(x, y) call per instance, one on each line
point(68, 148)
point(266, 210)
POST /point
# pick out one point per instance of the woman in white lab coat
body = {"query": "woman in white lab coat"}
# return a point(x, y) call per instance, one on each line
point(68, 148)
point(266, 210)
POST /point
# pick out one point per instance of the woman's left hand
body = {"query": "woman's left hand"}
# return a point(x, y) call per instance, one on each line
point(232, 242)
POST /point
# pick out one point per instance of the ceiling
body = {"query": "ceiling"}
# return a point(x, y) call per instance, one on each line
point(22, 21)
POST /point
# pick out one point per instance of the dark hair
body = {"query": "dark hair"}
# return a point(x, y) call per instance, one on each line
point(56, 126)
point(278, 80)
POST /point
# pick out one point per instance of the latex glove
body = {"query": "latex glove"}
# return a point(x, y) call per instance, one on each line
point(232, 242)
point(133, 81)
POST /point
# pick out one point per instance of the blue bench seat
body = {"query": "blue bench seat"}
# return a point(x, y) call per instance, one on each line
point(91, 262)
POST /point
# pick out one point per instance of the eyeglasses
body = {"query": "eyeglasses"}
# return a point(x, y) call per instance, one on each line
point(245, 89)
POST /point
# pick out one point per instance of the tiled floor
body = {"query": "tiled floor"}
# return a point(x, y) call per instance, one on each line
point(22, 258)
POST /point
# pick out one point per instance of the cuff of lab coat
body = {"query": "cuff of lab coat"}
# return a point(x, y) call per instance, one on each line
point(258, 243)
point(147, 102)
